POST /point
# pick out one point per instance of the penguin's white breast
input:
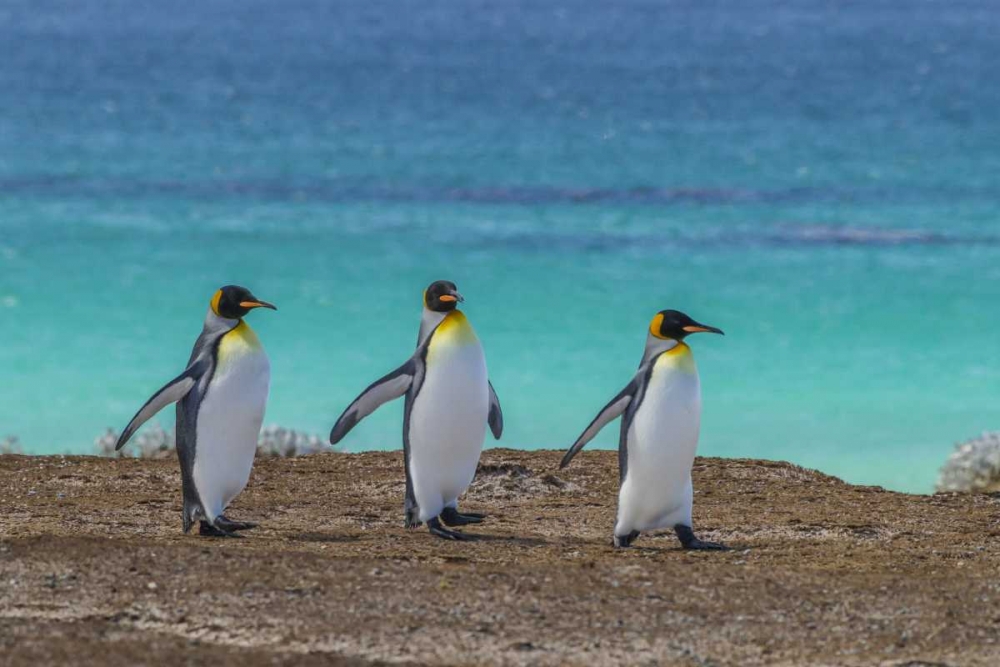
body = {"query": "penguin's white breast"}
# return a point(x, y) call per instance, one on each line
point(662, 440)
point(230, 418)
point(448, 418)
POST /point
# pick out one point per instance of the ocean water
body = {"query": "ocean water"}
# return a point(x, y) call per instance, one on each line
point(819, 179)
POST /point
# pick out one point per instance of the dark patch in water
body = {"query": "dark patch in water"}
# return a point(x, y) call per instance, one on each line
point(824, 234)
point(792, 236)
point(352, 189)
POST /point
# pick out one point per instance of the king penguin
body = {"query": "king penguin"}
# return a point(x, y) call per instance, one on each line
point(661, 416)
point(449, 401)
point(220, 399)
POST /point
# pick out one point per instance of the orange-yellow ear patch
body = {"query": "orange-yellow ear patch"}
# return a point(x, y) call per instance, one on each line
point(215, 301)
point(654, 326)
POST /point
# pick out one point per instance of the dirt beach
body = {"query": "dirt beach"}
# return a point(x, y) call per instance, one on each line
point(94, 570)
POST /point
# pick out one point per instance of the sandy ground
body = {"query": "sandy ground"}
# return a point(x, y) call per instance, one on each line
point(94, 570)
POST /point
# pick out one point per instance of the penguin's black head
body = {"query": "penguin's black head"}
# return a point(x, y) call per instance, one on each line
point(233, 302)
point(675, 325)
point(442, 296)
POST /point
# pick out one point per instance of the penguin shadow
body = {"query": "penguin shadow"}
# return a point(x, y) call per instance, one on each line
point(507, 539)
point(326, 538)
point(347, 538)
point(636, 549)
point(663, 549)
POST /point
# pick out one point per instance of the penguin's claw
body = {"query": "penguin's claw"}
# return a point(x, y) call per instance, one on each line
point(625, 541)
point(452, 517)
point(227, 524)
point(689, 541)
point(436, 529)
point(208, 530)
point(411, 514)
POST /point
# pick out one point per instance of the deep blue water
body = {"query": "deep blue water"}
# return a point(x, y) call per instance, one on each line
point(820, 179)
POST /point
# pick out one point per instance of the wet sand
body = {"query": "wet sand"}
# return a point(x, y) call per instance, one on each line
point(94, 570)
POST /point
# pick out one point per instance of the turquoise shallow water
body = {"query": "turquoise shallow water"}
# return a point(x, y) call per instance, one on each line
point(819, 181)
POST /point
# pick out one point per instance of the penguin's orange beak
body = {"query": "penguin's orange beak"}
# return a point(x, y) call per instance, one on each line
point(702, 328)
point(257, 304)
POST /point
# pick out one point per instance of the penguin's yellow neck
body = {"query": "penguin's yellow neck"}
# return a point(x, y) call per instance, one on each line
point(678, 358)
point(454, 330)
point(238, 342)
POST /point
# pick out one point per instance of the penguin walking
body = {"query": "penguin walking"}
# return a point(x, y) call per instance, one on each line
point(449, 401)
point(220, 399)
point(661, 417)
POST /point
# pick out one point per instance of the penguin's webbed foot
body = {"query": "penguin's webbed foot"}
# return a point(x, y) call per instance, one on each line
point(227, 524)
point(689, 541)
point(701, 545)
point(452, 517)
point(434, 525)
point(207, 529)
point(625, 541)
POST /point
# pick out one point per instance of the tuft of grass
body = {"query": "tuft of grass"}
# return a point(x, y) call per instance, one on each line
point(10, 445)
point(276, 440)
point(154, 442)
point(974, 466)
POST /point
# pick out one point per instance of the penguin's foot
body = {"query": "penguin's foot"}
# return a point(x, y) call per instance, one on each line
point(701, 545)
point(452, 517)
point(208, 530)
point(689, 541)
point(225, 523)
point(625, 541)
point(434, 525)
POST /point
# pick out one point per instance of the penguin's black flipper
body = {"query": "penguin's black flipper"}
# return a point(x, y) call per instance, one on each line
point(609, 412)
point(495, 418)
point(452, 517)
point(171, 392)
point(434, 525)
point(383, 390)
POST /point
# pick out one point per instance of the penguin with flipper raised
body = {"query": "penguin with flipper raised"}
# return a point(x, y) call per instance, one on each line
point(449, 402)
point(220, 397)
point(661, 418)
